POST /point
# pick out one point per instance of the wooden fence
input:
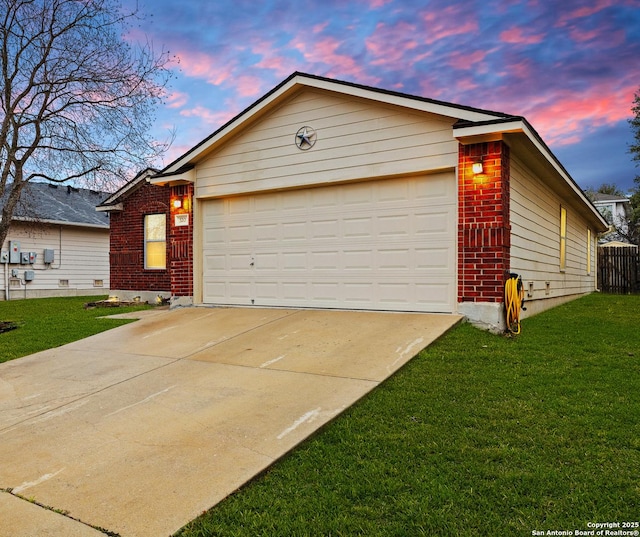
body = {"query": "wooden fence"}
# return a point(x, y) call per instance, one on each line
point(618, 270)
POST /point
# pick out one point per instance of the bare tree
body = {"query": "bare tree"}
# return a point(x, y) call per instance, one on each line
point(77, 99)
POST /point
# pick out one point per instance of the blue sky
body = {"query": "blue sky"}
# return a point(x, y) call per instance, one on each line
point(571, 67)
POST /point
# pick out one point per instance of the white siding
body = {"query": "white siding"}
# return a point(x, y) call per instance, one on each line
point(535, 239)
point(81, 259)
point(355, 139)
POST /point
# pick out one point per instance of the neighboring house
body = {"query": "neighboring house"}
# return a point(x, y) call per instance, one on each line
point(326, 194)
point(615, 210)
point(57, 244)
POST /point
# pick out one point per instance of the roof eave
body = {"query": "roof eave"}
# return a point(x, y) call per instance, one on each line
point(61, 223)
point(182, 176)
point(467, 133)
point(113, 202)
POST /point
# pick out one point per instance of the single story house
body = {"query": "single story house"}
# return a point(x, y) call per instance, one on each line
point(58, 245)
point(327, 194)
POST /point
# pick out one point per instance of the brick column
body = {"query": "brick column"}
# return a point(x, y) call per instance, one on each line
point(181, 241)
point(484, 230)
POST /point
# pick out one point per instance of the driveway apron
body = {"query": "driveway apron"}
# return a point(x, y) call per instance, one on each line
point(138, 430)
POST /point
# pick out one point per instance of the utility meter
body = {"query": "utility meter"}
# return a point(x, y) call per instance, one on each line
point(14, 252)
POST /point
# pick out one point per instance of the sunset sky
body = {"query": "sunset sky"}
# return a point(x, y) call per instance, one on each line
point(571, 67)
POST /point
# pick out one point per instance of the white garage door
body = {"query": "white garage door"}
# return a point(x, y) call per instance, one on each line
point(383, 245)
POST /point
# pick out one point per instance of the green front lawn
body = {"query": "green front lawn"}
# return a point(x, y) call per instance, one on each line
point(479, 435)
point(50, 322)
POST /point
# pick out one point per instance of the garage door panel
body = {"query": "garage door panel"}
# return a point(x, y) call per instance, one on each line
point(239, 234)
point(395, 226)
point(324, 260)
point(239, 290)
point(358, 260)
point(434, 259)
point(239, 262)
point(393, 191)
point(439, 189)
point(434, 296)
point(434, 225)
point(325, 229)
point(358, 293)
point(396, 259)
point(266, 233)
point(266, 290)
point(326, 292)
point(215, 237)
point(357, 228)
point(322, 198)
point(357, 195)
point(293, 231)
point(294, 292)
point(216, 263)
point(294, 261)
point(263, 261)
point(373, 245)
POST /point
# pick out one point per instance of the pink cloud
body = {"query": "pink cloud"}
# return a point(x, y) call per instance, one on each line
point(517, 36)
point(278, 64)
point(319, 28)
point(272, 58)
point(586, 11)
point(447, 22)
point(198, 64)
point(564, 118)
point(581, 35)
point(463, 60)
point(401, 35)
point(176, 99)
point(326, 51)
point(175, 151)
point(466, 84)
point(248, 86)
point(213, 118)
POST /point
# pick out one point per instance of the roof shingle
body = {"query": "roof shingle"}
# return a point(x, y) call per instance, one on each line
point(47, 202)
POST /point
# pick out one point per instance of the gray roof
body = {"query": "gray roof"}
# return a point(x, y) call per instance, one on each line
point(46, 202)
point(599, 197)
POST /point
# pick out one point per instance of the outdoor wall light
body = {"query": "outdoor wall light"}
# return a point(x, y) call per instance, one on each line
point(177, 204)
point(476, 167)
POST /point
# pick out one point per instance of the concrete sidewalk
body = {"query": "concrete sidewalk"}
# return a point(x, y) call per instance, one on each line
point(140, 429)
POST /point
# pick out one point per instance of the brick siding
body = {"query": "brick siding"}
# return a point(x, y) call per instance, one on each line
point(484, 230)
point(127, 241)
point(181, 242)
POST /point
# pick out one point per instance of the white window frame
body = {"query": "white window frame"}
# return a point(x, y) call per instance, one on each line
point(155, 240)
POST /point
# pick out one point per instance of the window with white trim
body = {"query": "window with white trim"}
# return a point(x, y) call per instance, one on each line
point(155, 241)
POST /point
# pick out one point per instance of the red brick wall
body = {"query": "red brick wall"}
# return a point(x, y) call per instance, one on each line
point(127, 241)
point(181, 242)
point(484, 231)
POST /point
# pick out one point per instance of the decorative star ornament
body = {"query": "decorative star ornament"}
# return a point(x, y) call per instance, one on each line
point(306, 138)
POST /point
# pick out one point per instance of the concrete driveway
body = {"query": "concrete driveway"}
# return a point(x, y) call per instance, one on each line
point(140, 429)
